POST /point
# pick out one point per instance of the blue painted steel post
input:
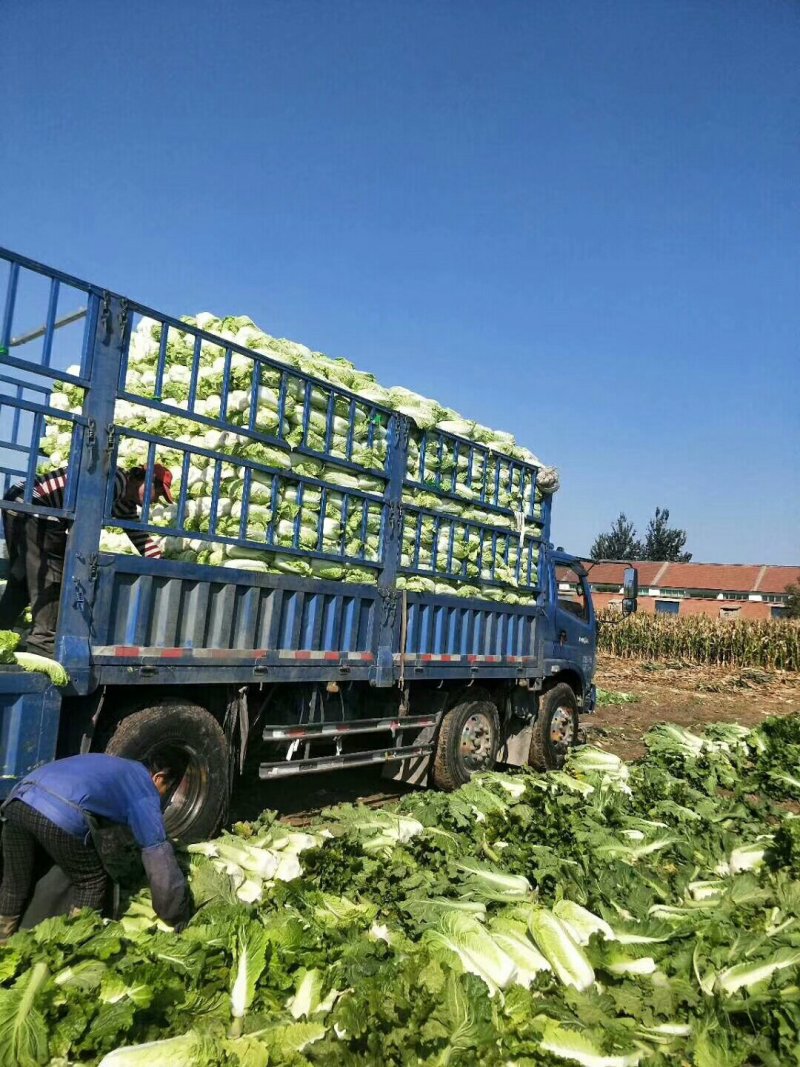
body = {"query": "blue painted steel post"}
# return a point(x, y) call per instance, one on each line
point(545, 619)
point(547, 505)
point(389, 627)
point(107, 335)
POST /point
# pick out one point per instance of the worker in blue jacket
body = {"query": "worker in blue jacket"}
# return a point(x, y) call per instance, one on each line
point(54, 809)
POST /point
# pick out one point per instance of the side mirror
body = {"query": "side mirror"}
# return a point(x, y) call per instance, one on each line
point(630, 590)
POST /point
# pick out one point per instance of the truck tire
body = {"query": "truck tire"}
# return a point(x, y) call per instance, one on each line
point(190, 736)
point(555, 728)
point(468, 740)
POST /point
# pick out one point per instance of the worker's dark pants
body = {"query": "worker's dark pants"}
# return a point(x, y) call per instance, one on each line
point(26, 834)
point(36, 550)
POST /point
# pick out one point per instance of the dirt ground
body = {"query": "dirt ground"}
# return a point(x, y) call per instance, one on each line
point(660, 692)
point(684, 694)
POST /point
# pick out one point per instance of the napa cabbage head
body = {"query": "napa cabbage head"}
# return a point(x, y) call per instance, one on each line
point(42, 665)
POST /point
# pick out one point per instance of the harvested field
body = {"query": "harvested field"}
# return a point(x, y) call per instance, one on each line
point(685, 694)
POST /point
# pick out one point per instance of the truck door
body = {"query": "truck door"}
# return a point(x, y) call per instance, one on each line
point(574, 636)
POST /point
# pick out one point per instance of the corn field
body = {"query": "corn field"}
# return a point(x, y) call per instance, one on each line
point(771, 644)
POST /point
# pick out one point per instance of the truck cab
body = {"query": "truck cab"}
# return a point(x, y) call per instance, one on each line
point(571, 639)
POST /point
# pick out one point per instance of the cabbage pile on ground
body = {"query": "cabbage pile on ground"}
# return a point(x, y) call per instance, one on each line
point(329, 503)
point(605, 915)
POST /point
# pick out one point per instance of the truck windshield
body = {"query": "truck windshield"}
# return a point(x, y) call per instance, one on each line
point(571, 591)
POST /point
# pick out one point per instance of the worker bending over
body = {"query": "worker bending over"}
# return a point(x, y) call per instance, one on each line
point(54, 809)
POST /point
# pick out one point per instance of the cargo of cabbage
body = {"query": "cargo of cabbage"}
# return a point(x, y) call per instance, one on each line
point(299, 465)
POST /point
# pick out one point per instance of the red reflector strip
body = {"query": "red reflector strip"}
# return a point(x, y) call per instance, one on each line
point(305, 655)
point(428, 657)
point(155, 652)
point(227, 653)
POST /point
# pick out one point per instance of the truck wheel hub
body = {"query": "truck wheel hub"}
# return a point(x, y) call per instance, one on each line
point(561, 726)
point(476, 742)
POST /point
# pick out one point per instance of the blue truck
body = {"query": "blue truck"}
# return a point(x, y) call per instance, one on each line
point(230, 668)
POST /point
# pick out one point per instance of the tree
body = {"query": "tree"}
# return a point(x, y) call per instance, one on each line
point(620, 542)
point(792, 600)
point(663, 542)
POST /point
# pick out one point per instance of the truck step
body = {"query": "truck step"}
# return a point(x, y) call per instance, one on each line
point(312, 730)
point(289, 768)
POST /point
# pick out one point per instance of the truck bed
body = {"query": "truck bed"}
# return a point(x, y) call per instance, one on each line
point(125, 616)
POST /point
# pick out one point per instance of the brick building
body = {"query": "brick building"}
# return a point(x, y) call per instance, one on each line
point(721, 590)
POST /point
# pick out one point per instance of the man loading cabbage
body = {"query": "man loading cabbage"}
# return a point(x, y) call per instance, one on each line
point(37, 545)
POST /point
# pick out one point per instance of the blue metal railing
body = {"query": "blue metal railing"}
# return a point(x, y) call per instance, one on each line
point(25, 406)
point(353, 469)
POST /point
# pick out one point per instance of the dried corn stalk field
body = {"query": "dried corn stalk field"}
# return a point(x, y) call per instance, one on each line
point(769, 644)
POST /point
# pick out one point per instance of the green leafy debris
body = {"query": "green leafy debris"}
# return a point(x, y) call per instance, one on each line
point(606, 915)
point(9, 643)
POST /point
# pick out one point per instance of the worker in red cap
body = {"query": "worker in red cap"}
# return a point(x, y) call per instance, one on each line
point(37, 545)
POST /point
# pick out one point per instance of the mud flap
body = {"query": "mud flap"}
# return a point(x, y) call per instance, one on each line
point(516, 748)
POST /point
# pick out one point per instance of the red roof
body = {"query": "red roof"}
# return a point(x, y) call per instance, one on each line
point(611, 573)
point(776, 579)
point(729, 577)
point(718, 577)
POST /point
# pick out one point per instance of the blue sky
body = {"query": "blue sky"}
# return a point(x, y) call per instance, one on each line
point(576, 221)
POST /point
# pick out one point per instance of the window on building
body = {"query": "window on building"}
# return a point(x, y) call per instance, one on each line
point(734, 596)
point(729, 613)
point(778, 611)
point(674, 592)
point(668, 607)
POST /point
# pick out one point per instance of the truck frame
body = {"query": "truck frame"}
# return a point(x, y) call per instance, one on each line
point(193, 661)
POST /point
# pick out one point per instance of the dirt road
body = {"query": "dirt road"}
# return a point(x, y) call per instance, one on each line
point(659, 692)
